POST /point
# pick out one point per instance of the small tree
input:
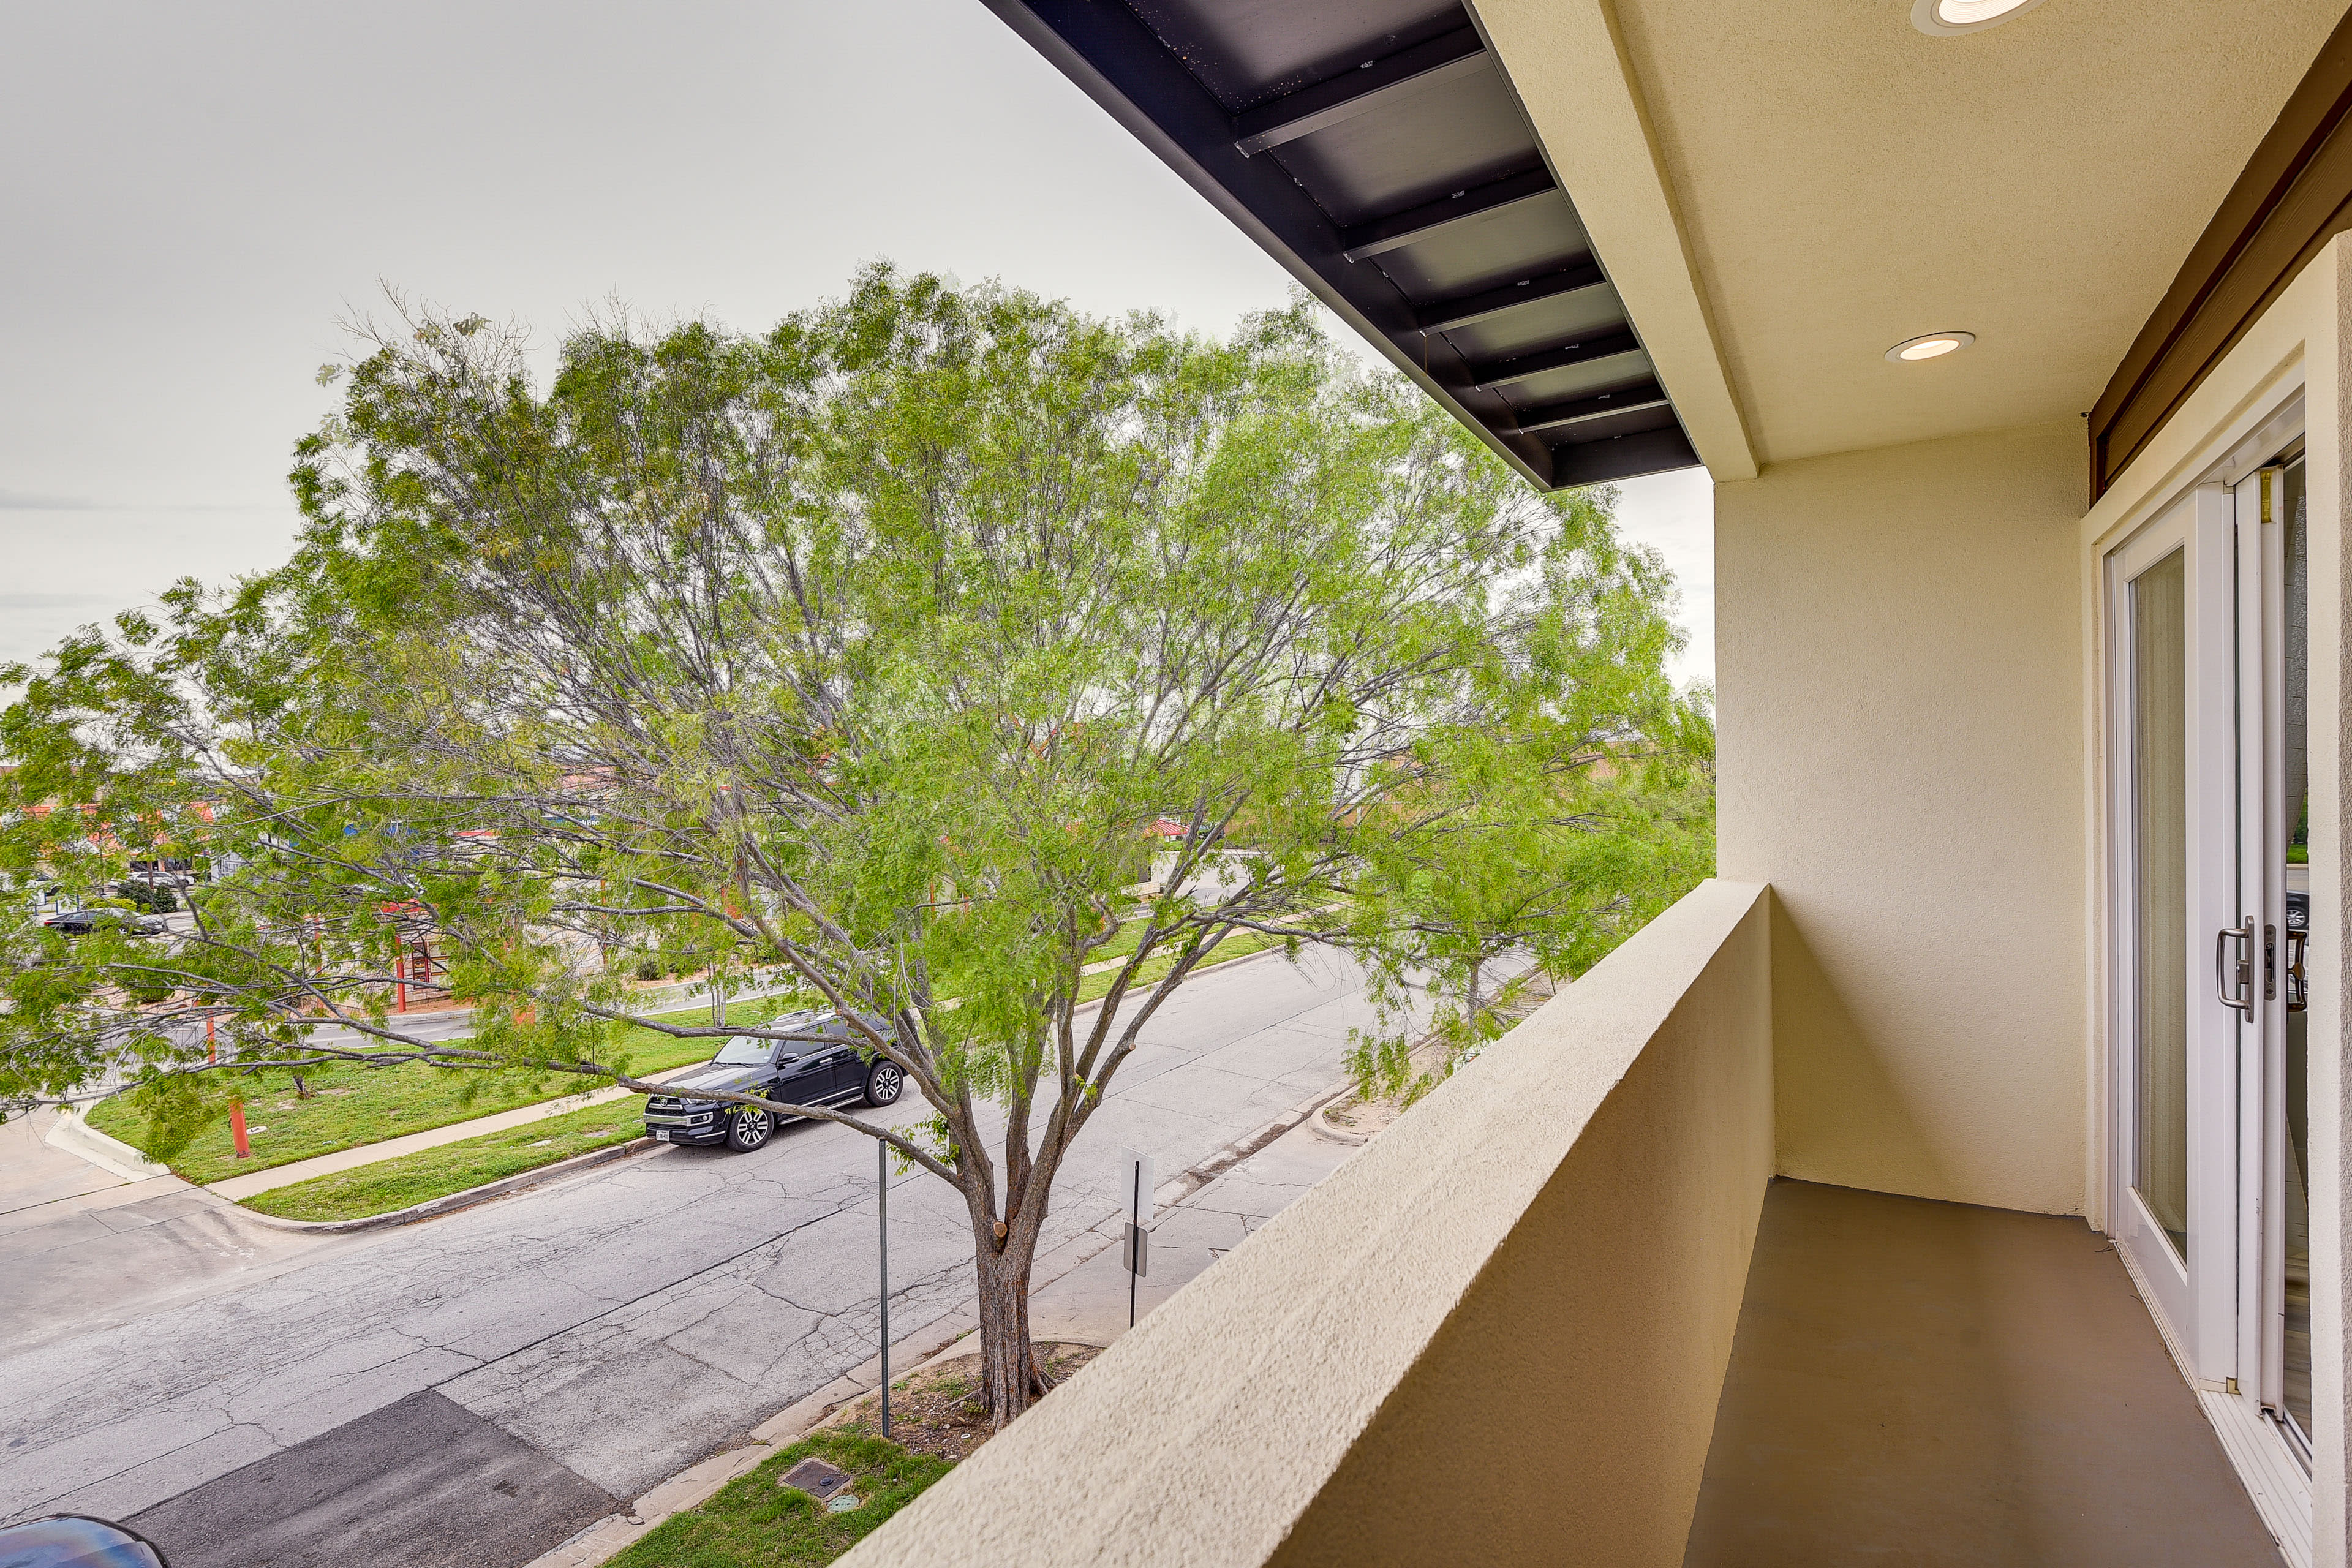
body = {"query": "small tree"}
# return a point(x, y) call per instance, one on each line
point(870, 650)
point(1536, 901)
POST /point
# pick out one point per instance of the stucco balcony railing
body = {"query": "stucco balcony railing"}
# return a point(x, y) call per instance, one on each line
point(1563, 1313)
point(1497, 1334)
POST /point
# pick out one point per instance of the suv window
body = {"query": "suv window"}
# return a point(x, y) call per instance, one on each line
point(751, 1051)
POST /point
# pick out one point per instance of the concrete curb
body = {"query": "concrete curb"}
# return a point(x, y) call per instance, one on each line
point(74, 1134)
point(451, 1201)
point(1326, 1128)
point(936, 1340)
point(1175, 1191)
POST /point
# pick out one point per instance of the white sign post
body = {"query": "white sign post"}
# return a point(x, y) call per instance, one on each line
point(1135, 1180)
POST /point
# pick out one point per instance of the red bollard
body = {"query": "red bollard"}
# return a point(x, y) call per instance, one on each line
point(236, 1112)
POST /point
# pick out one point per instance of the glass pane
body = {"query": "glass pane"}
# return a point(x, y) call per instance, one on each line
point(2296, 801)
point(2161, 880)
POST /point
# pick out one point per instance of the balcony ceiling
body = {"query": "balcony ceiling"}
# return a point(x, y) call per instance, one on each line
point(1372, 147)
point(1843, 182)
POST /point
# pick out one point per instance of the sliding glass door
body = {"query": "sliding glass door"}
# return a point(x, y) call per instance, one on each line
point(2274, 887)
point(2174, 717)
point(2207, 609)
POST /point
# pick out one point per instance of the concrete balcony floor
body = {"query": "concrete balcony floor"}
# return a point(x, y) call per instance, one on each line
point(1930, 1384)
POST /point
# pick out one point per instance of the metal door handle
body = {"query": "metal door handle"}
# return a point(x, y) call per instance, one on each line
point(2236, 992)
point(2298, 993)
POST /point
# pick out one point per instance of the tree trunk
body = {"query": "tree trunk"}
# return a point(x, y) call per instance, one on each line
point(1010, 1379)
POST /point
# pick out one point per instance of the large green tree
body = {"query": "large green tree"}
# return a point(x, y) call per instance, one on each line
point(870, 650)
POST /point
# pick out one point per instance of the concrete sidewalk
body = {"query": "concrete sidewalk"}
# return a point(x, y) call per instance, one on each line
point(240, 1187)
point(1089, 1303)
point(1080, 1294)
point(39, 1180)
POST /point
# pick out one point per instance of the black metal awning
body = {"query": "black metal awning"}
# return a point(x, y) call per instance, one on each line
point(1374, 149)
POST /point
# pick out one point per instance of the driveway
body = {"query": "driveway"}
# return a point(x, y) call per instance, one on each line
point(81, 1248)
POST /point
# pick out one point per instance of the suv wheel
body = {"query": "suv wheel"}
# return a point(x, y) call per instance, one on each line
point(883, 1082)
point(748, 1129)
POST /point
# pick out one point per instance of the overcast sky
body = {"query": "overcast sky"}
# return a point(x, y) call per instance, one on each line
point(197, 194)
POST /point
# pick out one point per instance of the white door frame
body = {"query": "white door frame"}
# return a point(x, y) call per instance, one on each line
point(2265, 827)
point(2195, 1298)
point(2244, 416)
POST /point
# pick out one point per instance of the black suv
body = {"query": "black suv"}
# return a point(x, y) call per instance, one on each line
point(825, 1069)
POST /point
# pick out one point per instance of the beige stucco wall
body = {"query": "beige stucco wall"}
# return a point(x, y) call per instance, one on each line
point(1496, 1336)
point(1900, 681)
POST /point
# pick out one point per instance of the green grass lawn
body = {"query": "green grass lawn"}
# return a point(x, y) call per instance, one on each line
point(1118, 946)
point(352, 1104)
point(754, 1522)
point(428, 1173)
point(1131, 933)
point(1241, 945)
point(390, 1185)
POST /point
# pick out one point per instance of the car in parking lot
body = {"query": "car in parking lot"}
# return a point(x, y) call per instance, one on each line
point(155, 895)
point(826, 1066)
point(83, 922)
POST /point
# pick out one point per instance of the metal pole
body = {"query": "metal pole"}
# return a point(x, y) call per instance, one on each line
point(882, 1207)
point(1134, 1218)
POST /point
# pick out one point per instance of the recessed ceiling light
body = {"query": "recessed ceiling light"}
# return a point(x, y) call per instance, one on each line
point(1948, 17)
point(1932, 346)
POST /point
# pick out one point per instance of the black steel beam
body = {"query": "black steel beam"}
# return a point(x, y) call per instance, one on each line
point(1526, 367)
point(1108, 52)
point(1585, 410)
point(1375, 84)
point(1416, 224)
point(1447, 314)
point(1627, 456)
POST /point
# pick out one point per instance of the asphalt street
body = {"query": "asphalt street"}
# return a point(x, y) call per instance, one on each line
point(583, 1339)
